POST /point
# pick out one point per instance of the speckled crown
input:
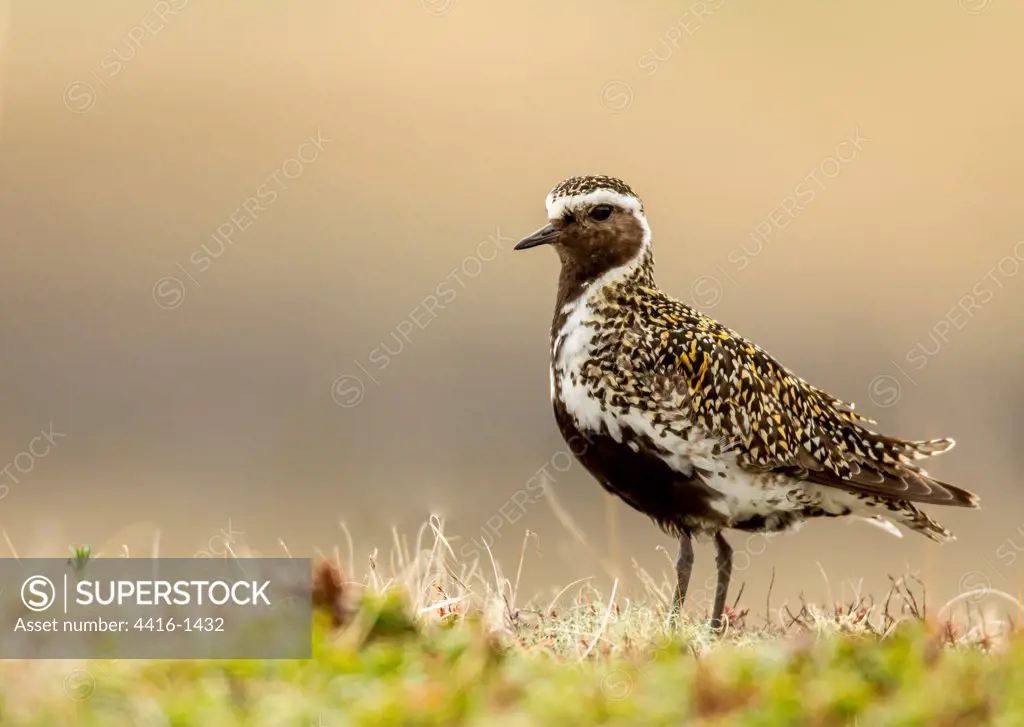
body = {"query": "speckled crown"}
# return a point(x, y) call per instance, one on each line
point(579, 186)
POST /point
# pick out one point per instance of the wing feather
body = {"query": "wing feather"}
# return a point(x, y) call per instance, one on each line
point(777, 422)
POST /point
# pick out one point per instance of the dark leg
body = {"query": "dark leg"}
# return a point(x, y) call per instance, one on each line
point(724, 562)
point(684, 566)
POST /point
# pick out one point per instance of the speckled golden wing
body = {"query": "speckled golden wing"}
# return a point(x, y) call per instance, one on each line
point(776, 422)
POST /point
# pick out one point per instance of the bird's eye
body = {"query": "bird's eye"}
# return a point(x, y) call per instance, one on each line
point(601, 212)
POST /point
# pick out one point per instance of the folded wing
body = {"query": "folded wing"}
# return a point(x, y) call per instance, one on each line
point(776, 422)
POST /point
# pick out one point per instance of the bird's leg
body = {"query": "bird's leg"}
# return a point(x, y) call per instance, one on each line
point(723, 560)
point(684, 566)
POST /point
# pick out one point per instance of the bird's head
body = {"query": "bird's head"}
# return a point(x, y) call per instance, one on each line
point(595, 224)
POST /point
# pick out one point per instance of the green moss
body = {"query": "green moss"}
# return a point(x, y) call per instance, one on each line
point(385, 668)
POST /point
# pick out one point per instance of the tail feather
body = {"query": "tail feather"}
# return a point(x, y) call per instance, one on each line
point(887, 467)
point(929, 448)
point(885, 514)
point(919, 522)
point(958, 497)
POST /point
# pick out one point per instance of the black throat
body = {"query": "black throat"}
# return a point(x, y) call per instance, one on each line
point(578, 276)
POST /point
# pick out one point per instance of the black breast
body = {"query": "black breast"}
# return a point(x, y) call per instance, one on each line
point(673, 500)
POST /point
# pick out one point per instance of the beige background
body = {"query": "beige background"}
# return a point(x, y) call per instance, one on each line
point(449, 123)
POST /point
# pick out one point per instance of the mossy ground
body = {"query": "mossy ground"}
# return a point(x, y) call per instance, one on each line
point(383, 670)
point(405, 651)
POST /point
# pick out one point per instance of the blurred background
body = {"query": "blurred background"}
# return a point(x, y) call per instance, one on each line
point(257, 275)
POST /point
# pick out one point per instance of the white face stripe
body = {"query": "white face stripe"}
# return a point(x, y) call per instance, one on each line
point(557, 207)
